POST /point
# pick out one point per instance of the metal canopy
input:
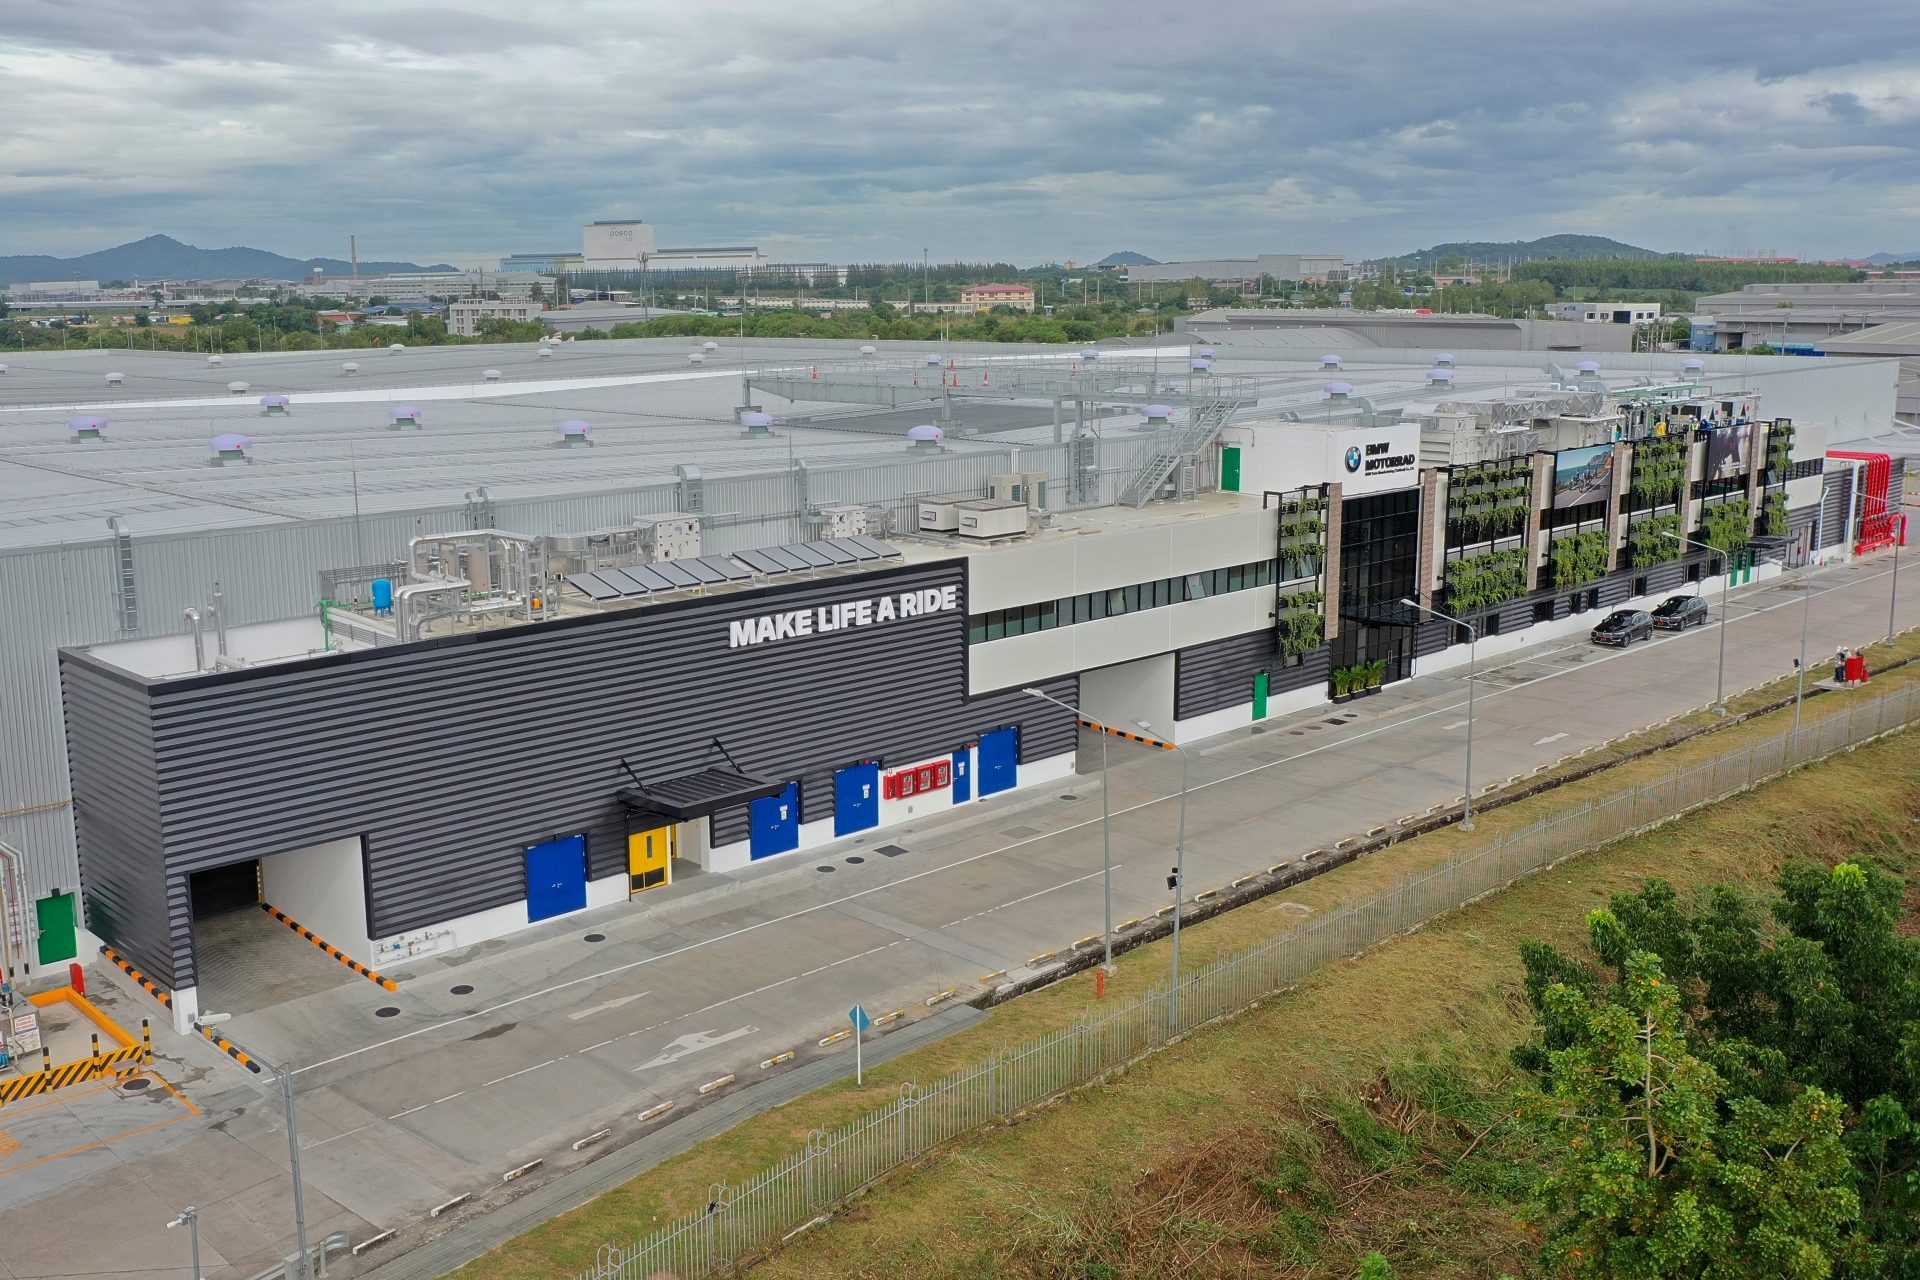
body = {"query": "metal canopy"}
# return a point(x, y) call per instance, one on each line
point(698, 795)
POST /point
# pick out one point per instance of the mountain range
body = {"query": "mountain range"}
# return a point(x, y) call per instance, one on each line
point(1561, 246)
point(164, 258)
point(1884, 259)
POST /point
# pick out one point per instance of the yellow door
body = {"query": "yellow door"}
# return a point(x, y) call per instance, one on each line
point(649, 859)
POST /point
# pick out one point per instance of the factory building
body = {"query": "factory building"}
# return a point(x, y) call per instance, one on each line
point(627, 244)
point(421, 726)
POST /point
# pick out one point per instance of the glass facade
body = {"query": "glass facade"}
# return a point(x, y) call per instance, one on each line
point(998, 624)
point(1379, 542)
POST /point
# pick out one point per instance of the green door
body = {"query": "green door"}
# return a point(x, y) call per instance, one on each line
point(1260, 696)
point(58, 941)
point(1230, 468)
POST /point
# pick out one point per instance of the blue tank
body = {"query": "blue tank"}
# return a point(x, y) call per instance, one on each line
point(383, 595)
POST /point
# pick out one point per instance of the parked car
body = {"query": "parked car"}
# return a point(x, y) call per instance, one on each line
point(1623, 627)
point(1677, 613)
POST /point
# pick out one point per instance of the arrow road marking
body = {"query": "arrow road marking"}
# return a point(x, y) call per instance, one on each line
point(693, 1042)
point(1553, 737)
point(603, 1008)
point(1458, 724)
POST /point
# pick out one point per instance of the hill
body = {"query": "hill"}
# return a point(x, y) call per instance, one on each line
point(164, 258)
point(1888, 259)
point(1558, 247)
point(1127, 258)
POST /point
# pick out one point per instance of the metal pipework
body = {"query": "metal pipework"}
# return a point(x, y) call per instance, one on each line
point(405, 624)
point(219, 611)
point(199, 638)
point(12, 898)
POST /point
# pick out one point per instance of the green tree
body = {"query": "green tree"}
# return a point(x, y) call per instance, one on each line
point(1796, 1019)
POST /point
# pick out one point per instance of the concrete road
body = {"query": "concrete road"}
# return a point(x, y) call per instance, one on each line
point(410, 1099)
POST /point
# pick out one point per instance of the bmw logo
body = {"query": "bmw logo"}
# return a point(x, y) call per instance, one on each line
point(1353, 458)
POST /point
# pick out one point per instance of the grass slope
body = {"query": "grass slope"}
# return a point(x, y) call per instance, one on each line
point(1269, 1117)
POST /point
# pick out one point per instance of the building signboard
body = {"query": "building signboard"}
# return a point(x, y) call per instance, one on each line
point(844, 615)
point(1375, 459)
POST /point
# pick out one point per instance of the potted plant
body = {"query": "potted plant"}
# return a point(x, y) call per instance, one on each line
point(1376, 673)
point(1342, 683)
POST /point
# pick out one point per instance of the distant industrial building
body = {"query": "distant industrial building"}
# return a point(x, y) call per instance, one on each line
point(1400, 330)
point(545, 264)
point(1605, 312)
point(422, 286)
point(463, 318)
point(1784, 315)
point(628, 245)
point(984, 297)
point(1243, 274)
point(53, 291)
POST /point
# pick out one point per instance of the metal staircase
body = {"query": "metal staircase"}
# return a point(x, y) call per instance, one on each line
point(1176, 446)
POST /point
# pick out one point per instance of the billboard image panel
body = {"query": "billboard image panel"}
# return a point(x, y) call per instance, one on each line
point(1730, 452)
point(1581, 476)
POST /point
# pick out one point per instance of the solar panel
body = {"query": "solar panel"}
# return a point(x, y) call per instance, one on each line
point(785, 556)
point(726, 568)
point(761, 562)
point(673, 573)
point(837, 554)
point(880, 549)
point(624, 582)
point(593, 587)
point(647, 578)
point(700, 569)
point(809, 555)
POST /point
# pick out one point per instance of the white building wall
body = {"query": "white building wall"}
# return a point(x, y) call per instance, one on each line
point(1120, 695)
point(323, 887)
point(1023, 573)
point(1021, 660)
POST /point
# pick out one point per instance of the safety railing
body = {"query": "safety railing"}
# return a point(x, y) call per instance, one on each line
point(790, 1196)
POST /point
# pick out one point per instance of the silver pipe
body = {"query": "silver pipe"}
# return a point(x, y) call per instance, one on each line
point(12, 890)
point(199, 639)
point(219, 612)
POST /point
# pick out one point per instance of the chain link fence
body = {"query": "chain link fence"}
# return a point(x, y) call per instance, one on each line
point(785, 1199)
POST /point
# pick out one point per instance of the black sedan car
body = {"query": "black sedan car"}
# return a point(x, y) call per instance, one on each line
point(1623, 626)
point(1677, 613)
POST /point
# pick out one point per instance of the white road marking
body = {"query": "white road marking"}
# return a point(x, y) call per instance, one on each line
point(693, 1042)
point(423, 1106)
point(610, 1004)
point(1384, 727)
point(1459, 724)
point(523, 1071)
point(1552, 737)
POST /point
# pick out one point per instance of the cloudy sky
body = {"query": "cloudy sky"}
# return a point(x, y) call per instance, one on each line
point(856, 130)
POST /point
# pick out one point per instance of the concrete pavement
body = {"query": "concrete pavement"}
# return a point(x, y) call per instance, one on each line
point(410, 1099)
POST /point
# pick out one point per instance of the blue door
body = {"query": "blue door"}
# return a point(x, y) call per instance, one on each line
point(962, 776)
point(856, 798)
point(556, 878)
point(999, 760)
point(774, 823)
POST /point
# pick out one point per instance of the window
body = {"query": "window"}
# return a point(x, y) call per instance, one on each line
point(1640, 586)
point(1045, 615)
point(1542, 611)
point(1197, 584)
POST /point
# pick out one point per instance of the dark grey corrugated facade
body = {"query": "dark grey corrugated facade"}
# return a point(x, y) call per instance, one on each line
point(1219, 674)
point(450, 756)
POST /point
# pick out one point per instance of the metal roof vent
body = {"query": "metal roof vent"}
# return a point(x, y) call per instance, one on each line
point(1200, 364)
point(1443, 359)
point(229, 448)
point(1169, 385)
point(1330, 361)
point(866, 351)
point(697, 357)
point(543, 353)
point(116, 379)
point(1157, 414)
point(1339, 390)
point(933, 357)
point(1090, 353)
point(574, 431)
point(759, 426)
point(216, 361)
point(349, 370)
point(395, 348)
point(1589, 367)
point(1440, 377)
point(238, 388)
point(1689, 366)
point(709, 346)
point(924, 438)
point(275, 404)
point(402, 416)
point(3, 370)
point(88, 427)
point(1207, 352)
point(490, 375)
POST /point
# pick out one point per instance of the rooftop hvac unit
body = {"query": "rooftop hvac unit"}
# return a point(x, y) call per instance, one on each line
point(674, 535)
point(941, 514)
point(844, 522)
point(350, 370)
point(1029, 487)
point(985, 519)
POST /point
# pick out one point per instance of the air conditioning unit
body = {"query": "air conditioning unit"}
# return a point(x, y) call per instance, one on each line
point(985, 518)
point(941, 514)
point(1029, 487)
point(844, 522)
point(673, 535)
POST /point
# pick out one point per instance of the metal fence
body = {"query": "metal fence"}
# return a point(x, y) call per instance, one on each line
point(786, 1198)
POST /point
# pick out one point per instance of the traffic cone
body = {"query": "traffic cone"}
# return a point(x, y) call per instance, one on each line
point(816, 373)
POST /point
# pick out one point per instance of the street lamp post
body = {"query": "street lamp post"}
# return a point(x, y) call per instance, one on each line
point(192, 1221)
point(293, 1146)
point(1177, 881)
point(1800, 667)
point(1893, 595)
point(1726, 611)
point(1106, 826)
point(1473, 646)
